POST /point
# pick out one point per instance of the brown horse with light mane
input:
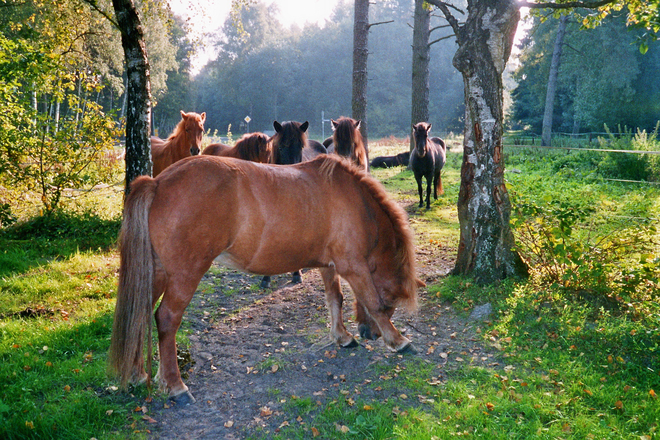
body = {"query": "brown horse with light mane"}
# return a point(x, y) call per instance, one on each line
point(264, 219)
point(347, 141)
point(185, 141)
point(254, 147)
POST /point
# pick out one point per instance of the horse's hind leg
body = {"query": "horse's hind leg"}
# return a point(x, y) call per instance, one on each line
point(296, 277)
point(334, 300)
point(265, 282)
point(178, 294)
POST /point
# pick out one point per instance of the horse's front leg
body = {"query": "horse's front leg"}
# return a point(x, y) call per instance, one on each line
point(366, 294)
point(367, 327)
point(429, 181)
point(168, 319)
point(420, 190)
point(334, 300)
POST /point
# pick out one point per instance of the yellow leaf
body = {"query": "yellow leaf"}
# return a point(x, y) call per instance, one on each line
point(588, 392)
point(67, 388)
point(367, 407)
point(610, 359)
point(490, 406)
point(315, 432)
point(653, 395)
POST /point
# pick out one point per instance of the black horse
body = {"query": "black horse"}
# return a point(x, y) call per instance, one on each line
point(400, 159)
point(290, 146)
point(427, 160)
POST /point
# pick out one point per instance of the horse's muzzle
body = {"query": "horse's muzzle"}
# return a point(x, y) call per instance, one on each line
point(194, 151)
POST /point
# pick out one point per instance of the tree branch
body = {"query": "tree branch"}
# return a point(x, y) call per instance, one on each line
point(566, 5)
point(444, 8)
point(441, 38)
point(94, 6)
point(380, 22)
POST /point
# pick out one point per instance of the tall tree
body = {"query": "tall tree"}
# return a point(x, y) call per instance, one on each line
point(360, 54)
point(138, 113)
point(486, 249)
point(421, 57)
point(546, 133)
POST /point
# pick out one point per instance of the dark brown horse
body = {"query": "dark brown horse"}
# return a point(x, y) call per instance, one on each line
point(347, 141)
point(400, 159)
point(253, 146)
point(185, 140)
point(264, 219)
point(427, 160)
point(290, 145)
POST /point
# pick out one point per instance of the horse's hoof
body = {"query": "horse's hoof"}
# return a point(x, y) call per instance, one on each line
point(183, 399)
point(351, 344)
point(407, 349)
point(264, 284)
point(365, 332)
point(296, 279)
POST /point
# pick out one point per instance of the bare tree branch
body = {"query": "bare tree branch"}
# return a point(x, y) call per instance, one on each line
point(93, 4)
point(380, 22)
point(444, 8)
point(442, 38)
point(566, 5)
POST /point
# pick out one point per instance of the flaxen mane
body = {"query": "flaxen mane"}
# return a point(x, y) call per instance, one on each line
point(405, 253)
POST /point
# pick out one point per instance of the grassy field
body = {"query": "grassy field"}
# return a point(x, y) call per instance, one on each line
point(581, 351)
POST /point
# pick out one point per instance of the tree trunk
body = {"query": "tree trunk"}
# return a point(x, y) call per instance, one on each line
point(360, 54)
point(138, 108)
point(421, 56)
point(546, 134)
point(486, 249)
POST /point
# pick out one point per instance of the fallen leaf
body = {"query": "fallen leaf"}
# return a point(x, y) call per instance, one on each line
point(265, 412)
point(489, 406)
point(653, 395)
point(67, 388)
point(274, 368)
point(315, 432)
point(619, 405)
point(229, 424)
point(367, 407)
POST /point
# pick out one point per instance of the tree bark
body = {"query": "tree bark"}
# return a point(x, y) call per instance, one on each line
point(138, 108)
point(546, 133)
point(360, 54)
point(486, 248)
point(421, 56)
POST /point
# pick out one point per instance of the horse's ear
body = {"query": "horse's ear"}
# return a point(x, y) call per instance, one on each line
point(357, 124)
point(429, 128)
point(183, 114)
point(203, 116)
point(277, 126)
point(333, 124)
point(420, 283)
point(304, 126)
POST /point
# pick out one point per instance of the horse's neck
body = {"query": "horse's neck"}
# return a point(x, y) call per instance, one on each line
point(178, 147)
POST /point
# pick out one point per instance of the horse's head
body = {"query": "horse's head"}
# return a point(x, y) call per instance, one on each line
point(346, 137)
point(421, 135)
point(255, 147)
point(193, 125)
point(288, 142)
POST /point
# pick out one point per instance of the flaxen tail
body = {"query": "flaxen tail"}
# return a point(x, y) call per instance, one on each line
point(134, 308)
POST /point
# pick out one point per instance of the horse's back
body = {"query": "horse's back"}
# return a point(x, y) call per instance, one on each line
point(216, 149)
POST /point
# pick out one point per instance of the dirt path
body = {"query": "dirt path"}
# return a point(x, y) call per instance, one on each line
point(252, 350)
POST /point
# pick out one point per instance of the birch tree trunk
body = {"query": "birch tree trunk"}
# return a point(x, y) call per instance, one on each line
point(546, 132)
point(138, 92)
point(421, 56)
point(486, 248)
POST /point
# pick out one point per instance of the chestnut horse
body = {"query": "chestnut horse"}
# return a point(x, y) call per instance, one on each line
point(290, 146)
point(253, 146)
point(185, 140)
point(263, 219)
point(347, 141)
point(427, 160)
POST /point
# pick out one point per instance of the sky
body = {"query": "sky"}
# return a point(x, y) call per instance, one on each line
point(209, 15)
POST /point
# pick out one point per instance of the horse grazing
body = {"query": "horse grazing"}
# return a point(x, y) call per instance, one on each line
point(263, 219)
point(347, 141)
point(427, 160)
point(400, 159)
point(185, 140)
point(290, 146)
point(254, 147)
